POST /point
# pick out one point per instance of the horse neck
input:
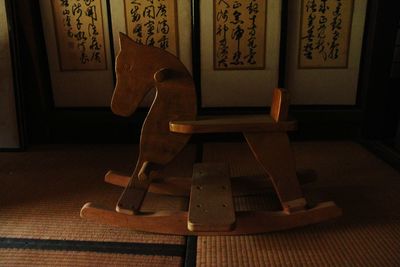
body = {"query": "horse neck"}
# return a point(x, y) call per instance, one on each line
point(175, 100)
point(178, 95)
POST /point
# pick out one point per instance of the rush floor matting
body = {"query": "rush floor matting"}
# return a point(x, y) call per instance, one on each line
point(43, 189)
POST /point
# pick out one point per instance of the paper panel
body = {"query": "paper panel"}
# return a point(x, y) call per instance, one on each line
point(80, 34)
point(128, 14)
point(80, 66)
point(153, 23)
point(321, 85)
point(239, 34)
point(162, 23)
point(325, 33)
point(240, 87)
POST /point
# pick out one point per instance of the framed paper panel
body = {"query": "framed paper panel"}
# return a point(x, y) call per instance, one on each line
point(162, 23)
point(324, 51)
point(9, 133)
point(325, 33)
point(240, 43)
point(77, 41)
point(239, 35)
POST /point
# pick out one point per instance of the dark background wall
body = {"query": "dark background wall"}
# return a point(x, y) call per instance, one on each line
point(375, 116)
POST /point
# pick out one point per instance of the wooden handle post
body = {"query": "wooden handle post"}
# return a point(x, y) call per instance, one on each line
point(145, 170)
point(280, 105)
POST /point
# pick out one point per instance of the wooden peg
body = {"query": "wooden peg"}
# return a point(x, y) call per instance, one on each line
point(114, 177)
point(145, 170)
point(294, 205)
point(162, 75)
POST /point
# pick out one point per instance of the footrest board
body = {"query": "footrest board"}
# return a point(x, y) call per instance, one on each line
point(211, 206)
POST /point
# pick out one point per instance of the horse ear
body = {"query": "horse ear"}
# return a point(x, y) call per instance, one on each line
point(124, 40)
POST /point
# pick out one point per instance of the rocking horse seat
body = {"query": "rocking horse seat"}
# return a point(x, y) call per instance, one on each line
point(225, 124)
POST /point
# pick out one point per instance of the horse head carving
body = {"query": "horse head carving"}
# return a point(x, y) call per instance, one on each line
point(139, 68)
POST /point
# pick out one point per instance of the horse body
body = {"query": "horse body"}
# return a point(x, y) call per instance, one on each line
point(137, 67)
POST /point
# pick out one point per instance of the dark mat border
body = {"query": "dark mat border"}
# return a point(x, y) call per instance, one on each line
point(94, 246)
point(191, 251)
point(191, 241)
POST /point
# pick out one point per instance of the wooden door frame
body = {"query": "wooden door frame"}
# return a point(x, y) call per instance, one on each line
point(16, 76)
point(376, 92)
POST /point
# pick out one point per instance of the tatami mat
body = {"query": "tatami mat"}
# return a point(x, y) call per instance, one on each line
point(365, 187)
point(24, 257)
point(43, 190)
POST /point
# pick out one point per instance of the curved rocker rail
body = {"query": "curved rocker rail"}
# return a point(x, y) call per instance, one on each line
point(247, 222)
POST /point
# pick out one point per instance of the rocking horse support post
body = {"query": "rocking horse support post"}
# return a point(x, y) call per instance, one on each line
point(273, 152)
point(168, 126)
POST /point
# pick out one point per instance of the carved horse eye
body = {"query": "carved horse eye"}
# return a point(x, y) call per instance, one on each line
point(128, 67)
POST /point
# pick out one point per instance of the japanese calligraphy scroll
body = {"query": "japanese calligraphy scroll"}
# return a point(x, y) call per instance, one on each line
point(324, 44)
point(78, 48)
point(325, 33)
point(153, 22)
point(239, 48)
point(80, 34)
point(239, 34)
point(162, 23)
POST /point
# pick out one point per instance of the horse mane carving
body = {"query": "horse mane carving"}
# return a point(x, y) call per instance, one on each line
point(139, 69)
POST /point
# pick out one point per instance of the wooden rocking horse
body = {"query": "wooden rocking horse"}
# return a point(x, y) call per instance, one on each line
point(168, 126)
